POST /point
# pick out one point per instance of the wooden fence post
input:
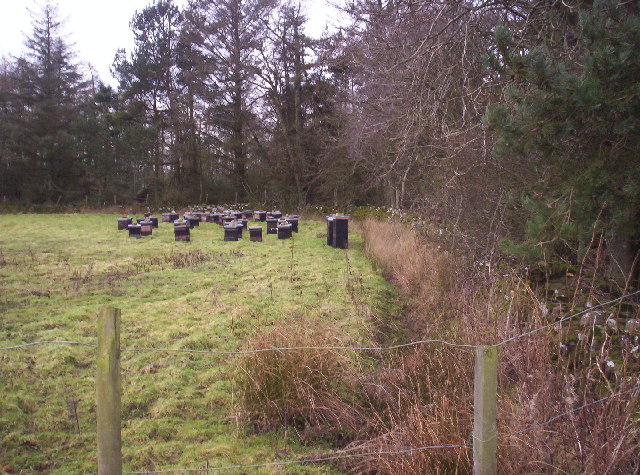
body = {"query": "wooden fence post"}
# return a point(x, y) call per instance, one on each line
point(108, 389)
point(485, 389)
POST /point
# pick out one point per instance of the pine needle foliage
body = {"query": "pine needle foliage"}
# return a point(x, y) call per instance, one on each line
point(572, 117)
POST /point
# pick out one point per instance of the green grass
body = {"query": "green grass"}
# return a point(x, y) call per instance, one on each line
point(179, 410)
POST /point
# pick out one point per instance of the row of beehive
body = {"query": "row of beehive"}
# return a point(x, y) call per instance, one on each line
point(283, 227)
point(143, 226)
point(232, 221)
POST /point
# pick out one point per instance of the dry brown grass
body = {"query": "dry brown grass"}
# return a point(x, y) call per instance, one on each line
point(433, 385)
point(416, 267)
point(423, 396)
point(310, 390)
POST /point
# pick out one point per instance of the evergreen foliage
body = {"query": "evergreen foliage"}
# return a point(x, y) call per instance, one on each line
point(41, 123)
point(575, 122)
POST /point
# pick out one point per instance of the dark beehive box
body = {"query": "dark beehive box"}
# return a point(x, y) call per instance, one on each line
point(293, 220)
point(272, 225)
point(284, 231)
point(341, 232)
point(255, 233)
point(134, 231)
point(146, 227)
point(181, 232)
point(193, 221)
point(230, 233)
point(124, 222)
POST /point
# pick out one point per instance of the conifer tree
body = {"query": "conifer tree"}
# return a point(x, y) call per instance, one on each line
point(575, 123)
point(232, 34)
point(49, 88)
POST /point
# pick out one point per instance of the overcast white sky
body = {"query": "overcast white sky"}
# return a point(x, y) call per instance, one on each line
point(98, 27)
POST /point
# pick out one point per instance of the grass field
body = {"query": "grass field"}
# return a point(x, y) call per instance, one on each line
point(179, 410)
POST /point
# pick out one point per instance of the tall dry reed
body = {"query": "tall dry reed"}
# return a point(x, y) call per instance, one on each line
point(539, 376)
point(423, 396)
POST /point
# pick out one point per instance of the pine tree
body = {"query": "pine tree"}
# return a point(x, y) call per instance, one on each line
point(148, 84)
point(232, 34)
point(575, 122)
point(49, 88)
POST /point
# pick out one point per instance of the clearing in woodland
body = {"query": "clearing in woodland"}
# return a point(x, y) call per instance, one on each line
point(179, 409)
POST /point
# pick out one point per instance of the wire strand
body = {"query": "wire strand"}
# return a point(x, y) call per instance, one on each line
point(337, 456)
point(48, 342)
point(291, 348)
point(579, 408)
point(394, 347)
point(564, 319)
point(556, 417)
point(342, 348)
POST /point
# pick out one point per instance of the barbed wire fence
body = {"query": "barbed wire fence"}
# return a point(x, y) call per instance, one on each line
point(342, 454)
point(484, 436)
point(346, 348)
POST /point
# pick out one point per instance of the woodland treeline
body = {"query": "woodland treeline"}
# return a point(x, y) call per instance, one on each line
point(492, 118)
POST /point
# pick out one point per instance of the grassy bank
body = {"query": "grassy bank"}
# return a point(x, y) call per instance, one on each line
point(179, 410)
point(566, 397)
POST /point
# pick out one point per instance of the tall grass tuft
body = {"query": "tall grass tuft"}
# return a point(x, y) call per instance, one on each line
point(310, 390)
